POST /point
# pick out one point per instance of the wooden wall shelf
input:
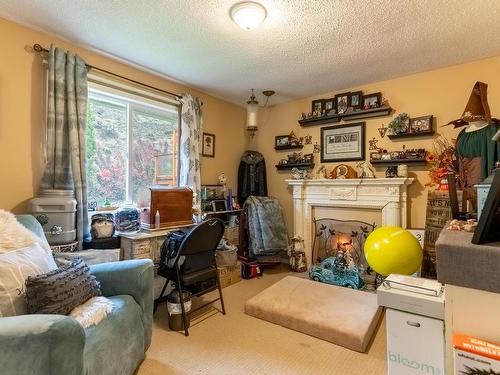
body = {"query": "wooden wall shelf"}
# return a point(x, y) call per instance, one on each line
point(422, 161)
point(411, 135)
point(299, 166)
point(364, 113)
point(295, 147)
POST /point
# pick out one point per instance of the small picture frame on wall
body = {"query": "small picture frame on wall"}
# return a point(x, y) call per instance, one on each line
point(208, 148)
point(372, 100)
point(317, 106)
point(420, 124)
point(329, 105)
point(281, 141)
point(356, 99)
point(342, 102)
point(343, 143)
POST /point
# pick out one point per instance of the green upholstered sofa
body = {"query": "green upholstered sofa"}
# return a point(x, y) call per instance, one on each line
point(57, 345)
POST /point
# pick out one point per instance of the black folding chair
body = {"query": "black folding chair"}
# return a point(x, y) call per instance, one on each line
point(194, 265)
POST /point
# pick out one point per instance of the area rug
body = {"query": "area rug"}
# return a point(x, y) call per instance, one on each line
point(343, 316)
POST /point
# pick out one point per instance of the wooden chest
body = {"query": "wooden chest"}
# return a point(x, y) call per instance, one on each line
point(174, 204)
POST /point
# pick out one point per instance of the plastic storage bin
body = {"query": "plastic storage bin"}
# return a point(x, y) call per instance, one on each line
point(56, 212)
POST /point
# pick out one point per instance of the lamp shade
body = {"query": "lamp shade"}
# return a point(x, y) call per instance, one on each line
point(252, 116)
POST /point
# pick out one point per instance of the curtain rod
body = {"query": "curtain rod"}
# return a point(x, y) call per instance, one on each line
point(39, 49)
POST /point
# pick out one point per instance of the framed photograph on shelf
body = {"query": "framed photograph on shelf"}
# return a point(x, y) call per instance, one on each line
point(329, 105)
point(343, 143)
point(208, 145)
point(281, 141)
point(356, 99)
point(317, 106)
point(342, 102)
point(372, 100)
point(420, 124)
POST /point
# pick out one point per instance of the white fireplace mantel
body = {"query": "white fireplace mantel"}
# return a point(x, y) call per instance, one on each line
point(389, 195)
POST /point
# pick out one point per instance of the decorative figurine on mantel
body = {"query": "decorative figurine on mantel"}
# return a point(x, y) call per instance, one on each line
point(300, 174)
point(321, 172)
point(365, 170)
point(342, 172)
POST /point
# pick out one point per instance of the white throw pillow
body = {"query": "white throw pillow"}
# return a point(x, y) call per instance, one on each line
point(13, 235)
point(15, 267)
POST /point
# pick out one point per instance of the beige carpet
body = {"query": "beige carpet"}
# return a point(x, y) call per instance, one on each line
point(238, 344)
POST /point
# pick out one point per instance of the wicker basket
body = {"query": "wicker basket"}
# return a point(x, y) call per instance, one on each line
point(226, 258)
point(232, 235)
point(229, 275)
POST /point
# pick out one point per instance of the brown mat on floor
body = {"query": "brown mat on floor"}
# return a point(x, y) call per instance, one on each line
point(343, 316)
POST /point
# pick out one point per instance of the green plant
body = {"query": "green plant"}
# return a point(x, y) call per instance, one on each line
point(399, 124)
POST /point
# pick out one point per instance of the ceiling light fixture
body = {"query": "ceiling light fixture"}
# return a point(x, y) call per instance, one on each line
point(253, 111)
point(248, 14)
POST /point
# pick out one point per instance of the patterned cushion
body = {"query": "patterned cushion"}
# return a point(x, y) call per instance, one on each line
point(61, 290)
point(15, 267)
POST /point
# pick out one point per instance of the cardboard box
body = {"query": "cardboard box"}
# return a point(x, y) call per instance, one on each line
point(475, 356)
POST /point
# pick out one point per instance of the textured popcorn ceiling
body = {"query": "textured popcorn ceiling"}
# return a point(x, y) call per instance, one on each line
point(303, 48)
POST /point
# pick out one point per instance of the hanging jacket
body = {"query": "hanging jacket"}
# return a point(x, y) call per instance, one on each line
point(251, 176)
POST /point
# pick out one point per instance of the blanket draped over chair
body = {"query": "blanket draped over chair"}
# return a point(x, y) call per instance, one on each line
point(266, 226)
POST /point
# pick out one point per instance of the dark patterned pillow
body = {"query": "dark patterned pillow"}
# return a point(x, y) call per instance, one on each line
point(61, 290)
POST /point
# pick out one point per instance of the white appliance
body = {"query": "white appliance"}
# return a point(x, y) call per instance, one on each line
point(415, 326)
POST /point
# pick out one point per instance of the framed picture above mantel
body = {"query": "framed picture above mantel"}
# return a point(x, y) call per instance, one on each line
point(343, 143)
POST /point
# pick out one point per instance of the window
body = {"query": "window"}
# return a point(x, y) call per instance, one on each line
point(131, 144)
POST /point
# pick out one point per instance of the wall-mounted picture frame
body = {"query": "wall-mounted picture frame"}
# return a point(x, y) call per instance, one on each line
point(356, 99)
point(317, 106)
point(342, 102)
point(420, 124)
point(208, 148)
point(282, 141)
point(329, 105)
point(372, 100)
point(343, 143)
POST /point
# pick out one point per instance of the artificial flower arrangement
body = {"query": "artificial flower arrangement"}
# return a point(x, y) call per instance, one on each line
point(441, 161)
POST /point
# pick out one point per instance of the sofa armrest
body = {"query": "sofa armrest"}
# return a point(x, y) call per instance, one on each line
point(130, 277)
point(41, 345)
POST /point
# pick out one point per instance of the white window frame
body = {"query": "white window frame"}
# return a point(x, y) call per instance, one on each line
point(131, 98)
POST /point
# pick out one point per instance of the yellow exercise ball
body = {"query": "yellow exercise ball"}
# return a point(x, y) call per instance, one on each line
point(393, 250)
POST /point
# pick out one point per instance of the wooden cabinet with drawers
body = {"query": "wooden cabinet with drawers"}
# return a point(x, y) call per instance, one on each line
point(144, 245)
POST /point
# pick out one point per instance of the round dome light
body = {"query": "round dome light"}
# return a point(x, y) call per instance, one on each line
point(248, 14)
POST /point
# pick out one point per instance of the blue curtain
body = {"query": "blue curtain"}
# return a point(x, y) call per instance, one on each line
point(66, 132)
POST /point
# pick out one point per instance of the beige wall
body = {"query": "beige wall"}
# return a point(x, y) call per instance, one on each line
point(21, 113)
point(442, 93)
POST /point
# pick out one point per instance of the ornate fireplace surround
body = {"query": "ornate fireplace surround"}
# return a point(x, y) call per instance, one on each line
point(389, 195)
